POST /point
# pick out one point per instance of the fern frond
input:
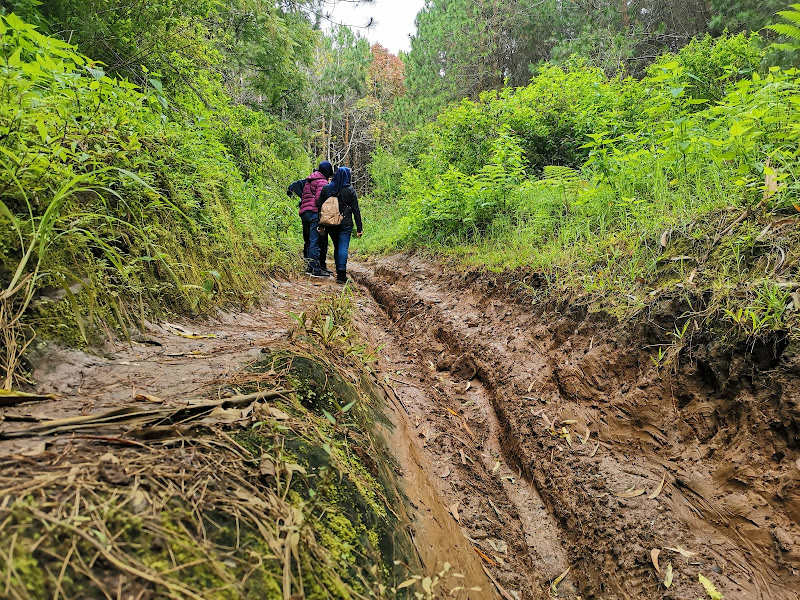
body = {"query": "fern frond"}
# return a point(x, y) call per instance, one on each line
point(561, 174)
point(790, 31)
point(791, 15)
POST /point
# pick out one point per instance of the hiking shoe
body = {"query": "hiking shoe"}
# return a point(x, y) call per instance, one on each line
point(341, 277)
point(318, 273)
point(327, 272)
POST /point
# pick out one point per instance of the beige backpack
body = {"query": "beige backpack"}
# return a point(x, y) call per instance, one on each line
point(329, 215)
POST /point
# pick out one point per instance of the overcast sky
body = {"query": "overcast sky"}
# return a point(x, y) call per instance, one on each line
point(393, 20)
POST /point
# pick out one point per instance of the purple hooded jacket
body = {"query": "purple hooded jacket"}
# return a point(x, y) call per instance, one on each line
point(314, 184)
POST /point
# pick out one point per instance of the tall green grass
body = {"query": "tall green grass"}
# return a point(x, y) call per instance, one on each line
point(618, 192)
point(110, 194)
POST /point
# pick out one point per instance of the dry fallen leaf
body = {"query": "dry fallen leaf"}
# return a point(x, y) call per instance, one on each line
point(685, 553)
point(36, 450)
point(149, 398)
point(278, 414)
point(559, 579)
point(654, 553)
point(660, 487)
point(631, 492)
point(108, 457)
point(668, 576)
point(484, 557)
point(445, 472)
point(266, 466)
point(596, 448)
point(468, 430)
point(453, 508)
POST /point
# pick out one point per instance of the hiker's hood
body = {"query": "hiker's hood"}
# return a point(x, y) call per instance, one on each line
point(340, 181)
point(325, 168)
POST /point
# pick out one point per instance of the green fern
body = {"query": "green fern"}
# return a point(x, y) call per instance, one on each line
point(791, 29)
point(567, 179)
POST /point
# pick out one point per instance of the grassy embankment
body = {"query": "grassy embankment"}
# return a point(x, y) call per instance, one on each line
point(117, 204)
point(615, 192)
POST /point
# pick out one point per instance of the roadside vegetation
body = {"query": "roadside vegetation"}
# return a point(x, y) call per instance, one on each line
point(615, 191)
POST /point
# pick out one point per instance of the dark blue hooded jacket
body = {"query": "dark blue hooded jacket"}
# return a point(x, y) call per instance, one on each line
point(348, 201)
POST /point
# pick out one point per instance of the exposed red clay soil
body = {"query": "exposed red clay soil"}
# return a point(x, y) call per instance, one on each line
point(503, 398)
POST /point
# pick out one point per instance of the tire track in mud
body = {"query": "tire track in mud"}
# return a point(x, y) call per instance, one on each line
point(458, 334)
point(499, 511)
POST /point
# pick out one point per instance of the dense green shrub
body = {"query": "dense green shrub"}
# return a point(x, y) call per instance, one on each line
point(103, 187)
point(578, 176)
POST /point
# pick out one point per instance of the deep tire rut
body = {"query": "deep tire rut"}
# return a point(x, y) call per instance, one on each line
point(471, 453)
point(502, 403)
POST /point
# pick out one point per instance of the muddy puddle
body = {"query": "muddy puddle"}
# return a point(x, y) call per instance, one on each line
point(537, 455)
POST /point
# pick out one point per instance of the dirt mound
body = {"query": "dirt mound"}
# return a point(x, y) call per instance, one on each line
point(649, 455)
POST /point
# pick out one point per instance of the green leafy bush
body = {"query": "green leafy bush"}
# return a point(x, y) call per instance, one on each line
point(578, 176)
point(105, 193)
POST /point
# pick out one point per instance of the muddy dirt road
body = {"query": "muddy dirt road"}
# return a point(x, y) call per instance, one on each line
point(540, 454)
point(561, 433)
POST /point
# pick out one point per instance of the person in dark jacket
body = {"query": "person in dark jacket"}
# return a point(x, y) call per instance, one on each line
point(348, 207)
point(309, 213)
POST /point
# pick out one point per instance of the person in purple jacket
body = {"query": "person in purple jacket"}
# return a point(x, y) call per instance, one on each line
point(310, 216)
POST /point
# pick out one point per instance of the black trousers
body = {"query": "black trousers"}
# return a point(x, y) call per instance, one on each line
point(323, 246)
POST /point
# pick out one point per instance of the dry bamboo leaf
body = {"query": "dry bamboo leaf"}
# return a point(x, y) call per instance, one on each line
point(660, 487)
point(149, 398)
point(631, 492)
point(683, 552)
point(468, 430)
point(596, 448)
point(407, 583)
point(654, 554)
point(664, 238)
point(530, 387)
point(452, 411)
point(453, 508)
point(484, 557)
point(9, 397)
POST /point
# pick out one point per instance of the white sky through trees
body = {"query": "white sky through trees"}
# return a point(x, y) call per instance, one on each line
point(393, 20)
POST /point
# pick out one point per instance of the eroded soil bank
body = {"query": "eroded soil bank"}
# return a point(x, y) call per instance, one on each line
point(554, 432)
point(230, 457)
point(537, 453)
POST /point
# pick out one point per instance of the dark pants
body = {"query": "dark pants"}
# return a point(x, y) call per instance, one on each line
point(340, 236)
point(322, 242)
point(311, 248)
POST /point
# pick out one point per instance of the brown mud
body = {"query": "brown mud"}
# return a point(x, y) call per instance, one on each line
point(532, 445)
point(204, 360)
point(720, 429)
